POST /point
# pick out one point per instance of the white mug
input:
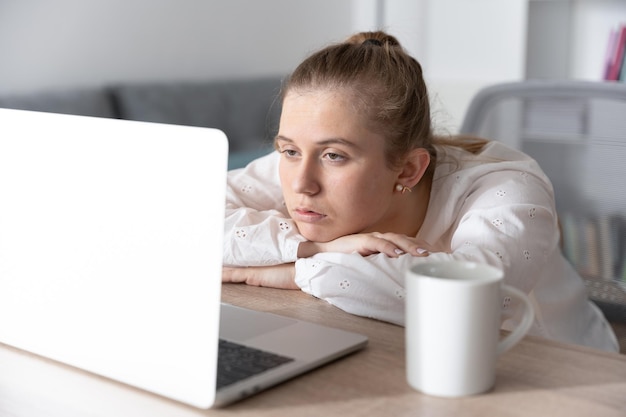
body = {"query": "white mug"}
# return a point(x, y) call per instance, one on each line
point(453, 326)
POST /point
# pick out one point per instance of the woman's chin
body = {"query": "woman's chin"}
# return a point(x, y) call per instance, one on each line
point(317, 234)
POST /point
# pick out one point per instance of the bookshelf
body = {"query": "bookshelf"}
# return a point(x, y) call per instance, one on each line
point(465, 46)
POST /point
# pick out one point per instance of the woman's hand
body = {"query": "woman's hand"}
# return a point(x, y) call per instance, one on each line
point(391, 244)
point(275, 276)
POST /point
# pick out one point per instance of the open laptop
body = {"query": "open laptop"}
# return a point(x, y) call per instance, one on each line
point(111, 255)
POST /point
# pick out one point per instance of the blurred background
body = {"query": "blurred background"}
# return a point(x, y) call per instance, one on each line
point(463, 45)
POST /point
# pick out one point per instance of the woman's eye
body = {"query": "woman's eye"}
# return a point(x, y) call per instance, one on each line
point(289, 152)
point(335, 157)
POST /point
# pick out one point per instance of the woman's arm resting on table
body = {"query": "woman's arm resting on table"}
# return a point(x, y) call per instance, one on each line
point(365, 244)
point(283, 275)
point(276, 276)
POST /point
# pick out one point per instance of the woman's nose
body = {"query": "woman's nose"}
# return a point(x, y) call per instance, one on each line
point(306, 178)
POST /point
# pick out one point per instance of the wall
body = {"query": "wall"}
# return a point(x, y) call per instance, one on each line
point(463, 46)
point(53, 44)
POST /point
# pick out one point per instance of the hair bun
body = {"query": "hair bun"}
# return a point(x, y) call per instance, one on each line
point(374, 42)
point(378, 38)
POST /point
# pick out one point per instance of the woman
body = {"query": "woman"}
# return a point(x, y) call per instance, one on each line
point(360, 189)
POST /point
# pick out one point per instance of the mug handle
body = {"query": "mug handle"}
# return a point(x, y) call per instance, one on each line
point(527, 320)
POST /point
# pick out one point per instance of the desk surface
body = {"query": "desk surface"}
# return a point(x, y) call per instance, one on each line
point(536, 378)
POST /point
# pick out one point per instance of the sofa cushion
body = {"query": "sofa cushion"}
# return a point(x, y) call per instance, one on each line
point(95, 102)
point(243, 109)
point(172, 103)
point(253, 111)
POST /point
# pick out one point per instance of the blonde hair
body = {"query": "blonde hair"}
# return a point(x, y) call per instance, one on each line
point(387, 86)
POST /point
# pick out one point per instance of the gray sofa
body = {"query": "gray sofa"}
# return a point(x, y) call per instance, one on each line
point(246, 110)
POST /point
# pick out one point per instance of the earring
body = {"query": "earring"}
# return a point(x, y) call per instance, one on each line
point(402, 189)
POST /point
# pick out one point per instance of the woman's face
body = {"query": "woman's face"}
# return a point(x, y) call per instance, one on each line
point(333, 171)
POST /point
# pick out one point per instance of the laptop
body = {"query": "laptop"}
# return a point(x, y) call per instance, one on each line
point(111, 258)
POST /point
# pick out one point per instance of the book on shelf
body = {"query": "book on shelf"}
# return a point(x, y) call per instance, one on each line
point(622, 72)
point(596, 245)
point(610, 52)
point(616, 55)
point(606, 249)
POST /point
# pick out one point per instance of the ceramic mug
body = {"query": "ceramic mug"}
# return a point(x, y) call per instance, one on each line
point(453, 326)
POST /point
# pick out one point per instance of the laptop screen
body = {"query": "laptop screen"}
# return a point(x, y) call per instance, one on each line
point(110, 246)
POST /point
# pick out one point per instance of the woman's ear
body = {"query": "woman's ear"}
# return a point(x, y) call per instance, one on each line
point(414, 167)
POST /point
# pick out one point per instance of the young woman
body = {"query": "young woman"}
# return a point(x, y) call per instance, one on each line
point(360, 189)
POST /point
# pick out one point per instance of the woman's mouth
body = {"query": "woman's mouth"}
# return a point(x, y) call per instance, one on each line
point(306, 215)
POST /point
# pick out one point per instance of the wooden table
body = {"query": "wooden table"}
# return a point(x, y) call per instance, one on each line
point(536, 378)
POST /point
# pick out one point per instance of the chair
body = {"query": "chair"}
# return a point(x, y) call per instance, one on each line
point(576, 130)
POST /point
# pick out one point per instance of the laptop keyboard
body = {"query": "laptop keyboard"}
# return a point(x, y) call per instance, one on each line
point(237, 362)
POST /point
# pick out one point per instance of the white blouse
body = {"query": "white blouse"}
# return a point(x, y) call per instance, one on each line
point(495, 207)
